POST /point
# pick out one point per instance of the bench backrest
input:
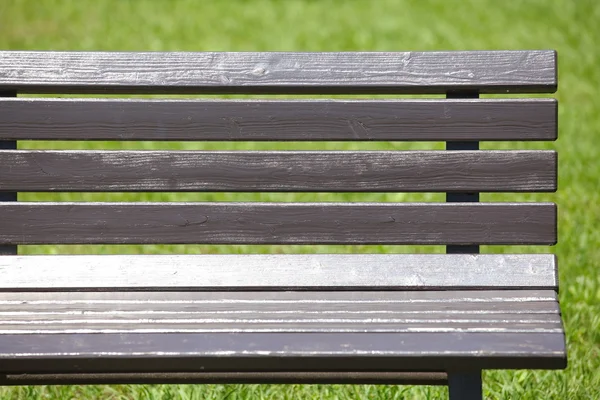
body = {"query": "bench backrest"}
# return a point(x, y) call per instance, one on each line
point(461, 120)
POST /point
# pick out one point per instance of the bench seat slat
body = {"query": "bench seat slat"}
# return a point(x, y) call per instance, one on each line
point(278, 171)
point(451, 314)
point(278, 72)
point(429, 299)
point(77, 339)
point(278, 120)
point(275, 272)
point(362, 351)
point(278, 223)
point(113, 324)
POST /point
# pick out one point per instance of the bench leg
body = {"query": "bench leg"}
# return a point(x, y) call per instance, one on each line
point(465, 385)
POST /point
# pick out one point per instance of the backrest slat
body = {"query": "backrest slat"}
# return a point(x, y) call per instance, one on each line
point(278, 171)
point(268, 120)
point(278, 223)
point(287, 73)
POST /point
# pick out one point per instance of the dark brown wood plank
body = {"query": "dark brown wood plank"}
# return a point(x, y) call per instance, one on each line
point(256, 352)
point(278, 223)
point(278, 171)
point(210, 72)
point(270, 272)
point(264, 120)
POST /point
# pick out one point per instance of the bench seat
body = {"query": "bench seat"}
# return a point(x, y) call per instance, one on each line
point(209, 316)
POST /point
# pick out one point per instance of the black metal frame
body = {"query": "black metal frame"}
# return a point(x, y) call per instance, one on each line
point(463, 385)
point(8, 196)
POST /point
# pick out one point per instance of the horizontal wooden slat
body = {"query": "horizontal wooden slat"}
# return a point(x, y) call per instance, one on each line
point(278, 223)
point(260, 311)
point(63, 300)
point(196, 324)
point(268, 120)
point(527, 334)
point(168, 352)
point(144, 324)
point(307, 271)
point(278, 171)
point(374, 72)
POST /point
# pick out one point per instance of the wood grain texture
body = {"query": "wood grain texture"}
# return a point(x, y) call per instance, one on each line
point(278, 171)
point(64, 300)
point(374, 312)
point(301, 271)
point(278, 223)
point(344, 73)
point(268, 120)
point(258, 352)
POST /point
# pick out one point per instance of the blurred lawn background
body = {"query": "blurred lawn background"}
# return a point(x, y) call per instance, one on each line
point(571, 27)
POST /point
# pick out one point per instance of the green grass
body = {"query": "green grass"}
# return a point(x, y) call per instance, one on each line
point(571, 27)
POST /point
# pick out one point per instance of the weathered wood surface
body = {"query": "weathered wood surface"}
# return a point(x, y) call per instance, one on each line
point(278, 171)
point(287, 351)
point(270, 312)
point(272, 272)
point(287, 73)
point(278, 223)
point(268, 120)
point(70, 296)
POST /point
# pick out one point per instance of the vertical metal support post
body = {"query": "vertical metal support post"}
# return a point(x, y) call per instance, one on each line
point(462, 197)
point(8, 196)
point(465, 386)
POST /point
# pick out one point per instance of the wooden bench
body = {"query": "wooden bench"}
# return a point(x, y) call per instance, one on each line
point(308, 318)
